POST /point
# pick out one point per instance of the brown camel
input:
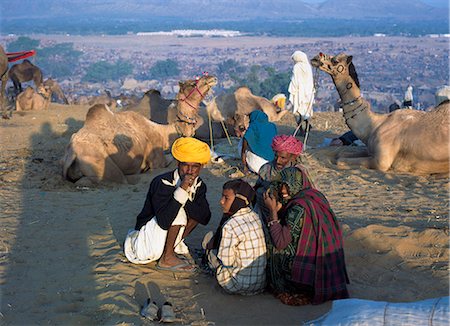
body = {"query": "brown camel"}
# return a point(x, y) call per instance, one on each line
point(187, 103)
point(408, 141)
point(115, 147)
point(30, 100)
point(56, 90)
point(233, 109)
point(4, 80)
point(153, 106)
point(23, 72)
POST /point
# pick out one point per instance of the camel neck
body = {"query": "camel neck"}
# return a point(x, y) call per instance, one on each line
point(357, 113)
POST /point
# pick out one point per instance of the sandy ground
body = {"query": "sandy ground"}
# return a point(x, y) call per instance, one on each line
point(61, 258)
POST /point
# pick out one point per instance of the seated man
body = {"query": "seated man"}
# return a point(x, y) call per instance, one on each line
point(175, 204)
point(346, 139)
point(237, 251)
point(256, 141)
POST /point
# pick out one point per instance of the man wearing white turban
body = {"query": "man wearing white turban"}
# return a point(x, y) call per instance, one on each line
point(301, 87)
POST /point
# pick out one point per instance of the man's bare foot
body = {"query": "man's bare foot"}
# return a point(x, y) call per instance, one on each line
point(169, 262)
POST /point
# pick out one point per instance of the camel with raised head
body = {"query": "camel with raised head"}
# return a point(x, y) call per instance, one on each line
point(56, 90)
point(408, 141)
point(4, 80)
point(31, 100)
point(23, 72)
point(115, 147)
point(187, 102)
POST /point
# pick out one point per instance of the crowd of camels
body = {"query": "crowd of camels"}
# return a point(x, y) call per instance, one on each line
point(116, 146)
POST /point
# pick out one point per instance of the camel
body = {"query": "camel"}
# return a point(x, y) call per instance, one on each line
point(442, 94)
point(155, 107)
point(403, 141)
point(4, 80)
point(23, 72)
point(56, 89)
point(115, 147)
point(106, 99)
point(187, 102)
point(30, 100)
point(233, 109)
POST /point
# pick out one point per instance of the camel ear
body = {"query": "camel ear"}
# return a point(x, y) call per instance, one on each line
point(349, 59)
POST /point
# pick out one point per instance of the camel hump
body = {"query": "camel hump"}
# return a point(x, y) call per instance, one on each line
point(243, 91)
point(153, 91)
point(99, 114)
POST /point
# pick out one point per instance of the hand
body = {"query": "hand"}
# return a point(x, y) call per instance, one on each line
point(271, 202)
point(187, 181)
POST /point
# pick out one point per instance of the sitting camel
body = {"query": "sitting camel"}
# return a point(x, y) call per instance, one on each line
point(402, 141)
point(190, 95)
point(23, 72)
point(56, 90)
point(115, 147)
point(4, 80)
point(30, 100)
point(153, 106)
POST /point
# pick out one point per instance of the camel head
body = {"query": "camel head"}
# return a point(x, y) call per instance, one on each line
point(337, 66)
point(45, 91)
point(193, 91)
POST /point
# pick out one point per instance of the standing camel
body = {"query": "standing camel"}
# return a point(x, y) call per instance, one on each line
point(402, 141)
point(4, 80)
point(23, 72)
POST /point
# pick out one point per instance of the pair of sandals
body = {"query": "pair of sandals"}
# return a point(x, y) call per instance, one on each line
point(151, 312)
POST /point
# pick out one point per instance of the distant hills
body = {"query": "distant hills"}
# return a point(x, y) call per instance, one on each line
point(222, 10)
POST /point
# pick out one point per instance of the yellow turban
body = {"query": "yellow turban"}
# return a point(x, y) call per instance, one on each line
point(192, 150)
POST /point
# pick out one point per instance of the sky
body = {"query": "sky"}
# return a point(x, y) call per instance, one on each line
point(436, 3)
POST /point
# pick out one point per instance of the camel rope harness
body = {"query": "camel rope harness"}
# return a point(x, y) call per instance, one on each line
point(185, 99)
point(348, 114)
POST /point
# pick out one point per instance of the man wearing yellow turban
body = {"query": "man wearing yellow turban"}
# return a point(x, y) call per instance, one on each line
point(175, 204)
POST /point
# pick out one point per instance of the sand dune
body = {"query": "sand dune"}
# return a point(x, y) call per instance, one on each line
point(61, 259)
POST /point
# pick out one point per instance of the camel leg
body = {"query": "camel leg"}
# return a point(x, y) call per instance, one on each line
point(350, 162)
point(100, 169)
point(355, 152)
point(3, 104)
point(368, 162)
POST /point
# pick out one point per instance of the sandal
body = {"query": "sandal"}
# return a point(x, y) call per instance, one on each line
point(184, 267)
point(167, 313)
point(150, 310)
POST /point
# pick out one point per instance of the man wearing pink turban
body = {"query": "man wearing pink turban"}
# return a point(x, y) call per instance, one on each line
point(287, 150)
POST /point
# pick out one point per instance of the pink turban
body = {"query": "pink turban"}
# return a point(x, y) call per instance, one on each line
point(289, 144)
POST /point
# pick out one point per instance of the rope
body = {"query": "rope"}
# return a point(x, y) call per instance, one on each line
point(226, 131)
point(210, 131)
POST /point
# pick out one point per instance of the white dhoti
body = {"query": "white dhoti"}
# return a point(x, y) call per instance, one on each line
point(147, 244)
point(254, 162)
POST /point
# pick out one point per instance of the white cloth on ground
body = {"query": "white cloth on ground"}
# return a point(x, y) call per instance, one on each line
point(147, 244)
